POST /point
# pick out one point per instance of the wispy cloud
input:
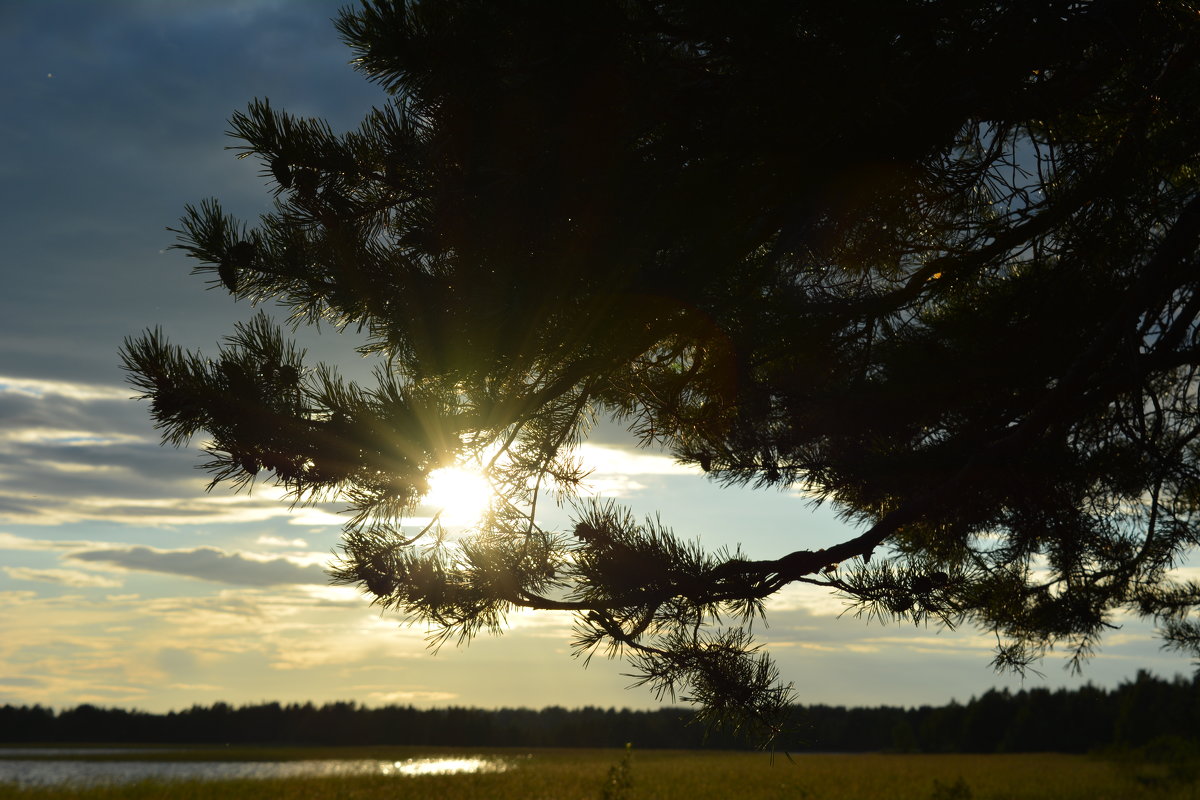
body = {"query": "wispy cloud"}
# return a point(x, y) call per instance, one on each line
point(79, 452)
point(237, 644)
point(63, 577)
point(297, 567)
point(43, 388)
point(10, 541)
point(605, 461)
point(277, 541)
point(623, 471)
point(206, 563)
point(22, 682)
point(411, 695)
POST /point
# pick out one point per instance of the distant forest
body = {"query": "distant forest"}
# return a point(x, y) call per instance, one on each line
point(1133, 714)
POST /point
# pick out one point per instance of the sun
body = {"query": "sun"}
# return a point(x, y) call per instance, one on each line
point(460, 493)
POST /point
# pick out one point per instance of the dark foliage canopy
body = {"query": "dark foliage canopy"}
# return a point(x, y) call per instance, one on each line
point(933, 261)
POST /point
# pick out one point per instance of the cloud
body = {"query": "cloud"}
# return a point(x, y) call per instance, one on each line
point(292, 644)
point(20, 681)
point(613, 470)
point(616, 486)
point(110, 127)
point(816, 600)
point(410, 696)
point(199, 509)
point(277, 541)
point(81, 451)
point(42, 389)
point(206, 563)
point(195, 687)
point(65, 459)
point(87, 238)
point(606, 461)
point(316, 517)
point(77, 452)
point(9, 541)
point(63, 577)
point(239, 644)
point(58, 407)
point(63, 444)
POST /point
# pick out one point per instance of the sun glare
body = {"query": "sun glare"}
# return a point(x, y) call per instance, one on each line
point(461, 494)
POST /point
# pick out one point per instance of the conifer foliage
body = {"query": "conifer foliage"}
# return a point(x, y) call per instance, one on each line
point(932, 261)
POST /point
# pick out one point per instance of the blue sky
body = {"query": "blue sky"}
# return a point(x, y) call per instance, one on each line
point(121, 581)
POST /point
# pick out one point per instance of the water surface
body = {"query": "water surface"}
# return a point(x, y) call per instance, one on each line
point(51, 772)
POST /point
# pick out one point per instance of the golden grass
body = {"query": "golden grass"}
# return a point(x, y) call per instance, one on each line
point(677, 775)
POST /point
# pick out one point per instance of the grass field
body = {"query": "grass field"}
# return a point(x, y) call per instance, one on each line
point(685, 775)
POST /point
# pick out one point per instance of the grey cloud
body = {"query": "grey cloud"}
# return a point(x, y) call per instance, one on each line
point(62, 450)
point(129, 129)
point(43, 456)
point(40, 486)
point(147, 458)
point(9, 541)
point(177, 662)
point(132, 512)
point(133, 473)
point(11, 507)
point(610, 432)
point(63, 577)
point(17, 681)
point(206, 563)
point(20, 410)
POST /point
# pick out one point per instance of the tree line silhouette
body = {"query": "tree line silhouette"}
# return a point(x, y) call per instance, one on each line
point(1131, 715)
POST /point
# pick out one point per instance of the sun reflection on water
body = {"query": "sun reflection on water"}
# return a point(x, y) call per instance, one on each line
point(448, 766)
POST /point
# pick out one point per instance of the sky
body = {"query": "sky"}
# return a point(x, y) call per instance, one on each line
point(122, 583)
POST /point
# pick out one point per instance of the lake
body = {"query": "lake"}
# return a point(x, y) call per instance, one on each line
point(381, 773)
point(58, 766)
